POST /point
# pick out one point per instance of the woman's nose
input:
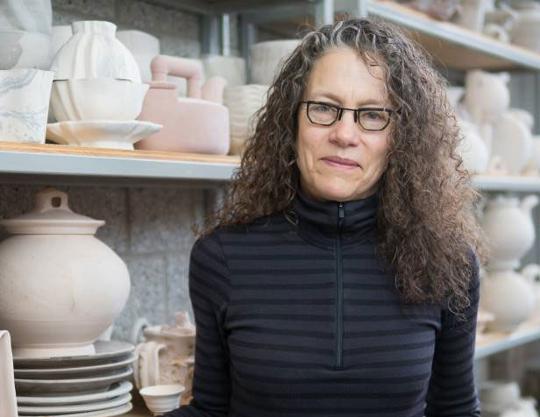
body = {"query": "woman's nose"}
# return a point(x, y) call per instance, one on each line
point(346, 131)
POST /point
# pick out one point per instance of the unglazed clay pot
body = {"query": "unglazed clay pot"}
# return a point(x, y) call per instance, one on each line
point(473, 149)
point(509, 229)
point(525, 29)
point(508, 296)
point(198, 123)
point(61, 287)
point(94, 52)
point(486, 95)
point(512, 142)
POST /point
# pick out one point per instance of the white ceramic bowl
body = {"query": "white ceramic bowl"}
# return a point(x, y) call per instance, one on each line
point(162, 398)
point(97, 99)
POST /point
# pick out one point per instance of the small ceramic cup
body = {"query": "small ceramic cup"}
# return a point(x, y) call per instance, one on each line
point(160, 399)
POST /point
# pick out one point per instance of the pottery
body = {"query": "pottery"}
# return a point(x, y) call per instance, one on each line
point(60, 35)
point(97, 99)
point(8, 402)
point(115, 390)
point(165, 355)
point(144, 48)
point(101, 134)
point(232, 68)
point(472, 14)
point(267, 58)
point(472, 148)
point(512, 142)
point(525, 29)
point(75, 408)
point(24, 104)
point(508, 296)
point(243, 102)
point(198, 123)
point(486, 94)
point(161, 399)
point(508, 226)
point(76, 284)
point(109, 412)
point(531, 272)
point(499, 394)
point(94, 52)
point(25, 34)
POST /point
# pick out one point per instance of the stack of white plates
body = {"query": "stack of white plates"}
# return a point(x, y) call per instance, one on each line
point(76, 386)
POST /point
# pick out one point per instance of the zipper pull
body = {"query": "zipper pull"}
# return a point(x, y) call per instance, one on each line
point(341, 214)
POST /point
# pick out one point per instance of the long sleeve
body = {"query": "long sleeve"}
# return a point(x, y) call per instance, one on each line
point(452, 390)
point(208, 288)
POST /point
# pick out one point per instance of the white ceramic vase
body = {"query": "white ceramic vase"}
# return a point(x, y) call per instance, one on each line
point(509, 229)
point(25, 34)
point(525, 29)
point(243, 102)
point(94, 52)
point(473, 149)
point(486, 95)
point(144, 48)
point(24, 104)
point(61, 287)
point(267, 58)
point(507, 294)
point(473, 14)
point(511, 142)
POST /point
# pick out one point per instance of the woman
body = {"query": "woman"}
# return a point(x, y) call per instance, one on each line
point(340, 277)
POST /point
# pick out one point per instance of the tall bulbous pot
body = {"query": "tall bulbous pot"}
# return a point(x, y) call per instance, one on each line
point(509, 296)
point(509, 228)
point(61, 287)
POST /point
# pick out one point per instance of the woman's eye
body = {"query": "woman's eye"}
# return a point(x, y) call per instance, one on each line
point(373, 115)
point(322, 108)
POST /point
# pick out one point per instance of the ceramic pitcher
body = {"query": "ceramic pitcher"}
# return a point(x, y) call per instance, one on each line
point(166, 355)
point(8, 401)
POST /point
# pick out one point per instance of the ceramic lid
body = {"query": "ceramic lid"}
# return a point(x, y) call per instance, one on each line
point(52, 216)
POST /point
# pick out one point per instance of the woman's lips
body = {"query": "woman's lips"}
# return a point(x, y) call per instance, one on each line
point(341, 163)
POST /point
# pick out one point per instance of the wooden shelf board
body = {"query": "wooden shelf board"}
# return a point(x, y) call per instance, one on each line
point(59, 160)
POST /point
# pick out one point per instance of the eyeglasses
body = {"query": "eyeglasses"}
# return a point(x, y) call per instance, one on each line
point(373, 119)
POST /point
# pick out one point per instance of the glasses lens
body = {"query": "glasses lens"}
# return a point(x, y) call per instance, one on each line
point(374, 119)
point(323, 114)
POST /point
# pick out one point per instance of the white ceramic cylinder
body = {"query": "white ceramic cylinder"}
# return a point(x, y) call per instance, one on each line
point(94, 52)
point(267, 58)
point(24, 104)
point(144, 48)
point(61, 287)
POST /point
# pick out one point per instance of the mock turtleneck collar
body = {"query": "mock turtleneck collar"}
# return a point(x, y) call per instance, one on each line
point(318, 220)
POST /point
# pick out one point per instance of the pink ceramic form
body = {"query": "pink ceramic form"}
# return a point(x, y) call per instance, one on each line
point(198, 123)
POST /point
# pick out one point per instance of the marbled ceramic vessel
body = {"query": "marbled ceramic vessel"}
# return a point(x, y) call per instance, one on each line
point(24, 104)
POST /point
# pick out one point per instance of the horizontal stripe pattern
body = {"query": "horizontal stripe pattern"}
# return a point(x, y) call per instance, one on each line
point(265, 307)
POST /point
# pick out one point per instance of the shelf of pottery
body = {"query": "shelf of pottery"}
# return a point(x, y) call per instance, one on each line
point(113, 107)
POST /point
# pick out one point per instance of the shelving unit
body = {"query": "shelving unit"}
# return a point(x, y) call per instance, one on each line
point(24, 160)
point(491, 343)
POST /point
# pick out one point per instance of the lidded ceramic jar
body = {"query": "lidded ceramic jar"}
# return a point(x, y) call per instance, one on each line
point(61, 286)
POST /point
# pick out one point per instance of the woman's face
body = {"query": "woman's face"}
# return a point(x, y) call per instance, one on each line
point(343, 161)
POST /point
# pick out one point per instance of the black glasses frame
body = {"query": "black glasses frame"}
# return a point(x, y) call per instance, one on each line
point(356, 113)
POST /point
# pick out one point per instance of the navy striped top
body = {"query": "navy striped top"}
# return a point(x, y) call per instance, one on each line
point(296, 317)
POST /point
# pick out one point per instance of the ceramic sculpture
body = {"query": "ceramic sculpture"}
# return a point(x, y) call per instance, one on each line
point(473, 149)
point(94, 52)
point(512, 142)
point(61, 287)
point(525, 28)
point(144, 48)
point(198, 123)
point(243, 103)
point(24, 104)
point(8, 402)
point(97, 99)
point(232, 68)
point(25, 34)
point(267, 58)
point(509, 296)
point(508, 225)
point(166, 355)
